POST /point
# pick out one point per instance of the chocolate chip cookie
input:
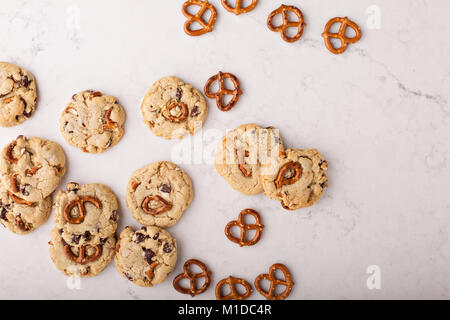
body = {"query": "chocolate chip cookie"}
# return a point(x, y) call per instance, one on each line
point(85, 214)
point(145, 257)
point(92, 122)
point(32, 168)
point(299, 180)
point(172, 108)
point(243, 153)
point(83, 260)
point(159, 193)
point(21, 218)
point(18, 95)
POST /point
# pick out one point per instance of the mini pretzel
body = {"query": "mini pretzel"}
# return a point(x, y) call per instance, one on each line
point(281, 179)
point(236, 92)
point(283, 10)
point(231, 282)
point(79, 202)
point(238, 8)
point(95, 94)
point(241, 160)
point(287, 282)
point(207, 26)
point(18, 200)
point(8, 153)
point(109, 124)
point(184, 112)
point(151, 272)
point(258, 226)
point(164, 205)
point(32, 172)
point(193, 277)
point(345, 23)
point(13, 183)
point(82, 257)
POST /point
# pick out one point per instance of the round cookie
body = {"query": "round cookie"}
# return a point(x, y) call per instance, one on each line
point(18, 95)
point(21, 218)
point(92, 122)
point(145, 257)
point(299, 180)
point(243, 153)
point(32, 168)
point(172, 108)
point(81, 261)
point(99, 216)
point(158, 194)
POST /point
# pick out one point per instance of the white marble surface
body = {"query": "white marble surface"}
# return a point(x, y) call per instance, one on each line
point(379, 113)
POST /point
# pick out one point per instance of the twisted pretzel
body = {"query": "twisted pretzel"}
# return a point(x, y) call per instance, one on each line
point(238, 8)
point(18, 200)
point(164, 205)
point(109, 124)
point(182, 116)
point(258, 226)
point(236, 92)
point(345, 41)
point(283, 10)
point(241, 161)
point(79, 202)
point(82, 257)
point(207, 26)
point(193, 277)
point(281, 179)
point(151, 272)
point(287, 282)
point(231, 282)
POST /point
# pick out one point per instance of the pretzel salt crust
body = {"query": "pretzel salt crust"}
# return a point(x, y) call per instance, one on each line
point(206, 26)
point(340, 35)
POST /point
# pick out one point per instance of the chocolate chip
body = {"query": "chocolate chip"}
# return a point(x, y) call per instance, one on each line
point(114, 216)
point(139, 238)
point(3, 214)
point(25, 189)
point(87, 235)
point(179, 93)
point(76, 239)
point(24, 82)
point(60, 231)
point(167, 248)
point(144, 228)
point(165, 188)
point(195, 111)
point(27, 114)
point(103, 240)
point(156, 236)
point(149, 254)
point(88, 269)
point(74, 96)
point(128, 276)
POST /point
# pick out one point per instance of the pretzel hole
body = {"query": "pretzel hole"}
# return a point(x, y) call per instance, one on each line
point(74, 213)
point(154, 204)
point(226, 99)
point(194, 10)
point(335, 28)
point(225, 290)
point(176, 111)
point(249, 235)
point(292, 17)
point(277, 21)
point(184, 283)
point(195, 269)
point(235, 232)
point(199, 282)
point(291, 32)
point(279, 275)
point(240, 289)
point(244, 3)
point(90, 251)
point(335, 43)
point(350, 33)
point(249, 219)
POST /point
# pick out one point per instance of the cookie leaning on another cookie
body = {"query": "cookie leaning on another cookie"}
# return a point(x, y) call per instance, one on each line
point(299, 180)
point(18, 95)
point(146, 257)
point(32, 168)
point(92, 122)
point(159, 193)
point(172, 108)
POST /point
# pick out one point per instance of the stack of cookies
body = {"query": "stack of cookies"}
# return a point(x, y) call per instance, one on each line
point(31, 171)
point(157, 196)
point(83, 241)
point(252, 159)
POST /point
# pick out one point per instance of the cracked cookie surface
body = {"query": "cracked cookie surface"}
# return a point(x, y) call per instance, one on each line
point(159, 193)
point(172, 108)
point(299, 180)
point(22, 218)
point(92, 122)
point(243, 153)
point(81, 261)
point(99, 216)
point(32, 168)
point(145, 257)
point(18, 95)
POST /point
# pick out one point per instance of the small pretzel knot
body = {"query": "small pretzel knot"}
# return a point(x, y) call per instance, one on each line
point(283, 10)
point(282, 180)
point(83, 257)
point(108, 123)
point(163, 205)
point(238, 8)
point(234, 294)
point(241, 155)
point(340, 35)
point(258, 226)
point(223, 91)
point(8, 152)
point(184, 112)
point(80, 203)
point(287, 282)
point(193, 277)
point(207, 26)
